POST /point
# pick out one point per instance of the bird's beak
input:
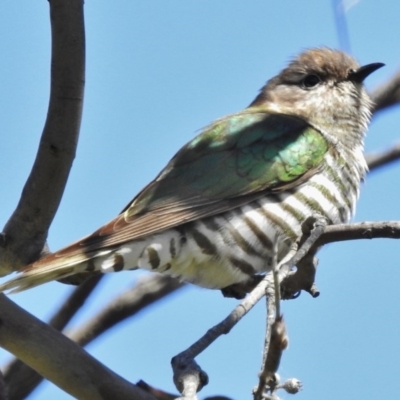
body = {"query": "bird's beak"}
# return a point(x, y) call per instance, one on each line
point(361, 73)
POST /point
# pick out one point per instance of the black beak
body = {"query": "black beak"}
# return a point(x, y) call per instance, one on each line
point(361, 73)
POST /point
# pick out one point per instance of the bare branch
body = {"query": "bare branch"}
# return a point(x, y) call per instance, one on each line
point(26, 231)
point(339, 13)
point(3, 388)
point(59, 359)
point(313, 229)
point(134, 300)
point(21, 379)
point(188, 376)
point(186, 370)
point(278, 342)
point(387, 94)
point(74, 302)
point(276, 338)
point(361, 230)
point(384, 96)
point(129, 302)
point(259, 391)
point(303, 277)
point(230, 321)
point(376, 160)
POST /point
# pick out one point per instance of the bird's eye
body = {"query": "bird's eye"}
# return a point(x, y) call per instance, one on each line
point(310, 81)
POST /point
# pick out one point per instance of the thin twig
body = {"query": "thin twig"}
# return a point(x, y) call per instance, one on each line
point(276, 339)
point(273, 297)
point(319, 227)
point(224, 327)
point(339, 12)
point(272, 294)
point(146, 292)
point(320, 235)
point(387, 94)
point(303, 277)
point(271, 316)
point(383, 158)
point(360, 230)
point(186, 370)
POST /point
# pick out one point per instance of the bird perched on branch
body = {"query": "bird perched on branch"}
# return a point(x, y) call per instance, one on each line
point(233, 199)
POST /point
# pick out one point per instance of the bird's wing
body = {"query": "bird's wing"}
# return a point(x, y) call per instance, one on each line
point(231, 162)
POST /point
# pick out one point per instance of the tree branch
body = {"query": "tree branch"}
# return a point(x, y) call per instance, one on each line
point(380, 159)
point(147, 291)
point(188, 375)
point(3, 388)
point(360, 230)
point(276, 338)
point(25, 233)
point(21, 379)
point(387, 94)
point(60, 360)
point(189, 378)
point(74, 302)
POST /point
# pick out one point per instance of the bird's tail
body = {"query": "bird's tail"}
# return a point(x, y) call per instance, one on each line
point(98, 252)
point(53, 267)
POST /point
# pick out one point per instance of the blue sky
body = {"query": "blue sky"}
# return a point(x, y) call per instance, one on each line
point(157, 71)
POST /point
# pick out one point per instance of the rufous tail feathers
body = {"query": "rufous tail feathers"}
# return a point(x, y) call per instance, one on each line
point(49, 268)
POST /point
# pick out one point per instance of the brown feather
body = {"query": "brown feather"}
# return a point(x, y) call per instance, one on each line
point(121, 229)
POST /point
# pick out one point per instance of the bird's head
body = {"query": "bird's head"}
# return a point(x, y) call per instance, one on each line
point(325, 87)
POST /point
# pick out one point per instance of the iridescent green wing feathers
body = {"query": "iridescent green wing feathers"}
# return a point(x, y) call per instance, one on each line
point(239, 155)
point(233, 161)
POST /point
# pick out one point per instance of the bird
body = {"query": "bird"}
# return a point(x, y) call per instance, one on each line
point(232, 201)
